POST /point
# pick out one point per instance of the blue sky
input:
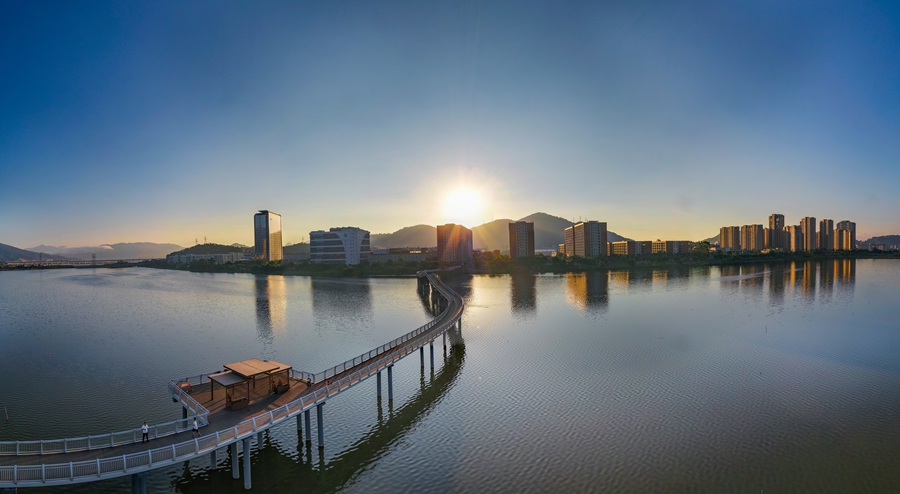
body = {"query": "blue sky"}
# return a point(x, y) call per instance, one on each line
point(170, 121)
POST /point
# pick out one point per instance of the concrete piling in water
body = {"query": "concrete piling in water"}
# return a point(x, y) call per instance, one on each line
point(246, 441)
point(235, 467)
point(378, 379)
point(308, 426)
point(320, 425)
point(390, 382)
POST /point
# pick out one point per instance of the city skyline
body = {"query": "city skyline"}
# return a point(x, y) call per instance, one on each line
point(665, 122)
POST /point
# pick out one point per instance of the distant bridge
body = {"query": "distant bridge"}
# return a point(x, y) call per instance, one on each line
point(93, 458)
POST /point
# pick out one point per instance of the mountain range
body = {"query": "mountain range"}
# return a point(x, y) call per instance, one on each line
point(549, 232)
point(8, 253)
point(130, 250)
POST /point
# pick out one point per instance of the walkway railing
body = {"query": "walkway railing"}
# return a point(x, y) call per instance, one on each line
point(82, 471)
point(88, 443)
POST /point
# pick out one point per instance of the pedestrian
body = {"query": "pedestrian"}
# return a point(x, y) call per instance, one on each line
point(144, 433)
point(195, 428)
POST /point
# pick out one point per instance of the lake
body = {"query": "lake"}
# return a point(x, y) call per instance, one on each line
point(751, 378)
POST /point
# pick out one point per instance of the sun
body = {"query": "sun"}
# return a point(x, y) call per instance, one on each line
point(464, 206)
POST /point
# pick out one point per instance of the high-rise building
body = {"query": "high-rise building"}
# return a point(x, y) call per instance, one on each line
point(267, 235)
point(794, 240)
point(521, 239)
point(588, 239)
point(346, 245)
point(561, 249)
point(776, 224)
point(752, 238)
point(730, 237)
point(847, 240)
point(826, 235)
point(454, 244)
point(810, 239)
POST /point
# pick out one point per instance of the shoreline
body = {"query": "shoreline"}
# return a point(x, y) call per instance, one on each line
point(496, 265)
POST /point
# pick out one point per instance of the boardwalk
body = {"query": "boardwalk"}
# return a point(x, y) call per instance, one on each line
point(226, 427)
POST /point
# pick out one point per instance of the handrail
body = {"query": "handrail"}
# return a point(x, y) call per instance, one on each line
point(109, 440)
point(116, 466)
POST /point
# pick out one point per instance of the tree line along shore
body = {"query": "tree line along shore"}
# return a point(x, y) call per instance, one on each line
point(493, 262)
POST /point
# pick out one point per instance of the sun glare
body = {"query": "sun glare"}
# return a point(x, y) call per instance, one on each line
point(464, 207)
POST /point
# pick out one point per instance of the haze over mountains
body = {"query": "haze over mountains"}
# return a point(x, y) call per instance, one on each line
point(132, 250)
point(549, 232)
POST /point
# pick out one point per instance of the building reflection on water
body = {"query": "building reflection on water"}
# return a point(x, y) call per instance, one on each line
point(271, 307)
point(523, 294)
point(588, 292)
point(810, 281)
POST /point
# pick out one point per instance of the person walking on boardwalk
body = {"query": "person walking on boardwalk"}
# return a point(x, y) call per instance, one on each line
point(144, 431)
point(195, 428)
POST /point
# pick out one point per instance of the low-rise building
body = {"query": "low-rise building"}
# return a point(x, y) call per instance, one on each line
point(219, 258)
point(381, 256)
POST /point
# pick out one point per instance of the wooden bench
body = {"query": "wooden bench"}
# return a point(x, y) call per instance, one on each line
point(238, 404)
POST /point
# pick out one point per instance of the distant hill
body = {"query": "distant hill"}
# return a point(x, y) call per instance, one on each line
point(210, 249)
point(8, 253)
point(711, 240)
point(549, 232)
point(301, 248)
point(884, 239)
point(410, 236)
point(125, 250)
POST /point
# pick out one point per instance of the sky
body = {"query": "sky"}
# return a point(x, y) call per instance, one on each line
point(174, 121)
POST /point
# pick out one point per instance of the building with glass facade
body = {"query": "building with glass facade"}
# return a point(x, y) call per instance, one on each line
point(267, 236)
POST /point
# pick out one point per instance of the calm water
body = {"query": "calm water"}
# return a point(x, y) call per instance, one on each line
point(758, 378)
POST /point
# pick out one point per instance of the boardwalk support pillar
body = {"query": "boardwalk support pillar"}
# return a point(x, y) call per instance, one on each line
point(422, 356)
point(378, 379)
point(213, 459)
point(235, 467)
point(246, 441)
point(183, 412)
point(300, 422)
point(139, 483)
point(390, 382)
point(319, 425)
point(308, 426)
point(431, 349)
point(259, 439)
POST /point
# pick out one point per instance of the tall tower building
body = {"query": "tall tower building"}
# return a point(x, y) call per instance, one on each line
point(826, 235)
point(454, 245)
point(521, 239)
point(847, 240)
point(810, 239)
point(752, 238)
point(267, 235)
point(794, 239)
point(730, 237)
point(776, 224)
point(588, 239)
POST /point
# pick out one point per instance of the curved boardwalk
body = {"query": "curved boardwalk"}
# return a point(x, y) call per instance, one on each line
point(226, 428)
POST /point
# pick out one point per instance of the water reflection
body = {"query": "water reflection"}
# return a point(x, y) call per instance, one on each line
point(271, 307)
point(523, 294)
point(276, 469)
point(808, 281)
point(588, 292)
point(342, 304)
